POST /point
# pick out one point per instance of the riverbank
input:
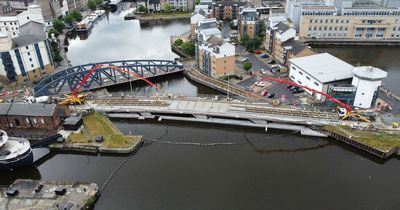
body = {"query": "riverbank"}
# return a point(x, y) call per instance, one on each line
point(34, 194)
point(98, 135)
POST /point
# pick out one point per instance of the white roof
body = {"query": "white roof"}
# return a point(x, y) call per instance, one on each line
point(196, 18)
point(211, 31)
point(324, 67)
point(8, 18)
point(369, 73)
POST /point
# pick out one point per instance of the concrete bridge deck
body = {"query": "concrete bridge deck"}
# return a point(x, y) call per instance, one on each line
point(215, 111)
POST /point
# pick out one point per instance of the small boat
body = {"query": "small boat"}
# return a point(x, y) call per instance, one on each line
point(14, 152)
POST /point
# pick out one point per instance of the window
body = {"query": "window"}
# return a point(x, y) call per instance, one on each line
point(27, 120)
point(42, 120)
point(308, 77)
point(315, 83)
point(298, 81)
point(30, 59)
point(27, 47)
point(301, 73)
point(32, 65)
point(292, 77)
point(27, 17)
point(34, 121)
point(29, 53)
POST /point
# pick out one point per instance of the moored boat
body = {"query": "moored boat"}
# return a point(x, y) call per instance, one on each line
point(14, 152)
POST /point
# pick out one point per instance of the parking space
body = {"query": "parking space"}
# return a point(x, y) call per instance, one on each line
point(280, 89)
point(247, 82)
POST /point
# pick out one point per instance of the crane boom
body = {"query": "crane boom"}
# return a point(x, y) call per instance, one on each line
point(85, 78)
point(329, 97)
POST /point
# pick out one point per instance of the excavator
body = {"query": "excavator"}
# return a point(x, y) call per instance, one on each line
point(76, 98)
point(345, 111)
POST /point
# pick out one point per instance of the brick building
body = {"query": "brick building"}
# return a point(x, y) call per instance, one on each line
point(32, 116)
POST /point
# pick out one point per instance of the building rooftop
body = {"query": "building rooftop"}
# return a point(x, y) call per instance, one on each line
point(324, 67)
point(282, 27)
point(30, 33)
point(215, 41)
point(4, 108)
point(211, 31)
point(369, 73)
point(34, 110)
point(8, 18)
point(297, 46)
point(196, 18)
point(230, 3)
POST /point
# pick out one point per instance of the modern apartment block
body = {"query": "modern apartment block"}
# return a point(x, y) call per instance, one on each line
point(271, 27)
point(11, 24)
point(226, 10)
point(216, 57)
point(79, 5)
point(348, 20)
point(248, 23)
point(26, 57)
point(51, 9)
point(185, 5)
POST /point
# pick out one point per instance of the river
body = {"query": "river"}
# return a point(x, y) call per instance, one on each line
point(273, 170)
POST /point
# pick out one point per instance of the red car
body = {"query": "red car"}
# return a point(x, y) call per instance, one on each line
point(264, 93)
point(258, 52)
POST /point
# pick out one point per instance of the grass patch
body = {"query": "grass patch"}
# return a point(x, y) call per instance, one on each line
point(379, 139)
point(99, 125)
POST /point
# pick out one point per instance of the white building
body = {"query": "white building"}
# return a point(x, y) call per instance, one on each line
point(318, 71)
point(26, 57)
point(368, 80)
point(185, 5)
point(11, 24)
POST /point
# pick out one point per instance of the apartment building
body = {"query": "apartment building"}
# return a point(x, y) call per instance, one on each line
point(79, 5)
point(271, 27)
point(185, 5)
point(226, 10)
point(26, 57)
point(50, 9)
point(216, 57)
point(345, 20)
point(282, 34)
point(248, 23)
point(11, 24)
point(196, 17)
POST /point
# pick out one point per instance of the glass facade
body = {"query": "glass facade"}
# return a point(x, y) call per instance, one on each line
point(343, 92)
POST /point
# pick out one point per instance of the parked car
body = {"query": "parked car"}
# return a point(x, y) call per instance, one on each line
point(264, 56)
point(293, 88)
point(263, 71)
point(272, 62)
point(289, 86)
point(264, 93)
point(298, 91)
point(258, 52)
point(239, 77)
point(259, 84)
point(275, 70)
point(245, 59)
point(252, 73)
point(271, 95)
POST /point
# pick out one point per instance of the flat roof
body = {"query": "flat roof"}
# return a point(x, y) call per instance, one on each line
point(369, 73)
point(324, 67)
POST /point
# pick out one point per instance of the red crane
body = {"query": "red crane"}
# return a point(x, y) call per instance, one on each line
point(329, 97)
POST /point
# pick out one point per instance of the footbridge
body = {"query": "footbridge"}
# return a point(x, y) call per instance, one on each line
point(110, 73)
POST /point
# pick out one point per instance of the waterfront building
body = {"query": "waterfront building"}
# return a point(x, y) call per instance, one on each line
point(319, 71)
point(79, 5)
point(248, 23)
point(203, 9)
point(216, 57)
point(368, 80)
point(11, 24)
point(32, 116)
point(282, 34)
point(271, 24)
point(50, 9)
point(355, 86)
point(196, 17)
point(184, 5)
point(293, 48)
point(209, 27)
point(26, 57)
point(226, 10)
point(345, 20)
point(154, 5)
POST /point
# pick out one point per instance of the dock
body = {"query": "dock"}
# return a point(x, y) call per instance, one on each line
point(35, 194)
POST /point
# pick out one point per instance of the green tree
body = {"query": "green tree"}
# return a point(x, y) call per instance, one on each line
point(66, 42)
point(250, 45)
point(197, 2)
point(244, 39)
point(188, 48)
point(178, 42)
point(58, 25)
point(91, 4)
point(167, 8)
point(98, 2)
point(76, 15)
point(143, 9)
point(53, 31)
point(69, 19)
point(56, 52)
point(261, 29)
point(247, 65)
